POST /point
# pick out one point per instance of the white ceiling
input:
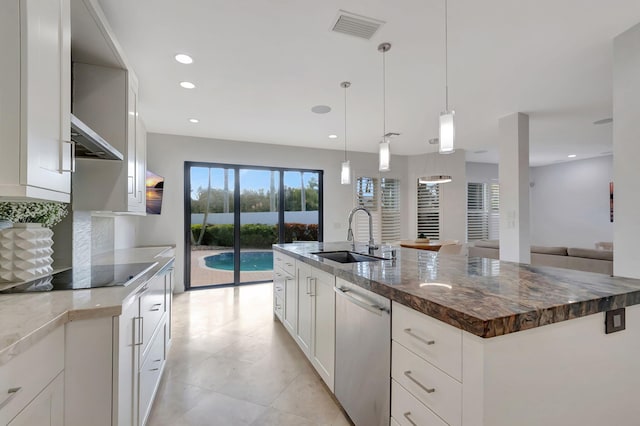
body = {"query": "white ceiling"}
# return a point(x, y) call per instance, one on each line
point(260, 65)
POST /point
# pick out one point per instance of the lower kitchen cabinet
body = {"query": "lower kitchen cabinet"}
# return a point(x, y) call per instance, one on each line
point(32, 384)
point(305, 304)
point(46, 409)
point(323, 310)
point(115, 364)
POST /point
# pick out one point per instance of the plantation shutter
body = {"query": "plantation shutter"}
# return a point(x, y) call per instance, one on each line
point(382, 198)
point(429, 210)
point(367, 192)
point(477, 212)
point(390, 210)
point(483, 211)
point(494, 211)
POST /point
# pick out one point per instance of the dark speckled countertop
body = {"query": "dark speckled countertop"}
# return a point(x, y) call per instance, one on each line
point(485, 297)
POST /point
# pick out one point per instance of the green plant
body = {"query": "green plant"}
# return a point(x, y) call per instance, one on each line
point(46, 213)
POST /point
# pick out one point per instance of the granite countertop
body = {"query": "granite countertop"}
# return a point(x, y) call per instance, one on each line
point(485, 297)
point(27, 317)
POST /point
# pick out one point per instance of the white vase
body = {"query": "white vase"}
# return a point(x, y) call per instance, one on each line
point(25, 252)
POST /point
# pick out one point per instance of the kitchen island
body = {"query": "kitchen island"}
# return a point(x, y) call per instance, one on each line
point(529, 343)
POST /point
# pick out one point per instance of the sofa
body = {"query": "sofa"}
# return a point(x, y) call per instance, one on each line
point(581, 259)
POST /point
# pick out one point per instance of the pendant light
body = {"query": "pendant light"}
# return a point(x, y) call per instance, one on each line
point(345, 175)
point(385, 144)
point(432, 180)
point(447, 127)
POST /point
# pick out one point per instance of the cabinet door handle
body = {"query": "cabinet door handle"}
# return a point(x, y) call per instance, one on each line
point(313, 288)
point(72, 157)
point(140, 331)
point(131, 184)
point(308, 285)
point(407, 416)
point(153, 307)
point(413, 379)
point(415, 336)
point(11, 394)
point(154, 369)
point(157, 360)
point(288, 264)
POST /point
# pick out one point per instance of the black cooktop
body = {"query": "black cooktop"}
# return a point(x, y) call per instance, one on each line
point(85, 277)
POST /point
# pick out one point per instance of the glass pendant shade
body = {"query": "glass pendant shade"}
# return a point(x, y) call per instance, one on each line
point(345, 176)
point(432, 180)
point(447, 132)
point(385, 156)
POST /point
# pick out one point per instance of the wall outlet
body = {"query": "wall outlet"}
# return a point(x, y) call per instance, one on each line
point(614, 321)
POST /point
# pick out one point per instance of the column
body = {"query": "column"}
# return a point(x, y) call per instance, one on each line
point(514, 188)
point(626, 153)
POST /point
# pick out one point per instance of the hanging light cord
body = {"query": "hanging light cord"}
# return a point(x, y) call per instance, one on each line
point(384, 95)
point(345, 122)
point(446, 56)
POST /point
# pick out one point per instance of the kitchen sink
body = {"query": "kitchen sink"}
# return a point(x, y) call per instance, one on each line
point(344, 256)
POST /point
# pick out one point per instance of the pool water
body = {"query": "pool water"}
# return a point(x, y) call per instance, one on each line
point(249, 261)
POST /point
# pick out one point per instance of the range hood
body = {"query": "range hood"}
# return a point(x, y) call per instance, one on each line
point(89, 144)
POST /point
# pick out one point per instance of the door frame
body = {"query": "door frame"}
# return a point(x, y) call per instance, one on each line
point(236, 214)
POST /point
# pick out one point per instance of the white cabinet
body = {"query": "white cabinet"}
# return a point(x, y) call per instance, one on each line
point(426, 368)
point(35, 92)
point(114, 379)
point(305, 306)
point(324, 325)
point(106, 99)
point(46, 409)
point(32, 384)
point(304, 301)
point(284, 291)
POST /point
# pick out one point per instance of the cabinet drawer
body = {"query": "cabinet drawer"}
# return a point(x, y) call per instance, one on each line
point(408, 411)
point(278, 307)
point(433, 340)
point(151, 371)
point(22, 378)
point(438, 391)
point(284, 262)
point(278, 287)
point(152, 308)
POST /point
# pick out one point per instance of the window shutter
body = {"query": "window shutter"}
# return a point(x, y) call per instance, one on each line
point(483, 211)
point(429, 210)
point(382, 198)
point(390, 210)
point(494, 211)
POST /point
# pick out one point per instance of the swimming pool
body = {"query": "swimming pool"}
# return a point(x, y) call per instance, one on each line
point(249, 261)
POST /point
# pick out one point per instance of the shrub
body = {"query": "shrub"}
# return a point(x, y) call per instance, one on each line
point(254, 235)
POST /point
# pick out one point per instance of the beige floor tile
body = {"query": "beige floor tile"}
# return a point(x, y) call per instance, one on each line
point(230, 360)
point(173, 400)
point(273, 417)
point(307, 397)
point(215, 409)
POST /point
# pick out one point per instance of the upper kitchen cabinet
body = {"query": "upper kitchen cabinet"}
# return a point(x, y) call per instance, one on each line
point(35, 92)
point(105, 98)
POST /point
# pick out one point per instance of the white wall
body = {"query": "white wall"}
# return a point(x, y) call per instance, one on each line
point(570, 203)
point(166, 155)
point(482, 172)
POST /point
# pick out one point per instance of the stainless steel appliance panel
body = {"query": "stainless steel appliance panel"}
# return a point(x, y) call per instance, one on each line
point(363, 354)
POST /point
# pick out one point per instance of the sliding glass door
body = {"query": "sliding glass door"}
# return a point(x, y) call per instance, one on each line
point(233, 214)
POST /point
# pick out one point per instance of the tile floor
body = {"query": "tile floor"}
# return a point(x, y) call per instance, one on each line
point(231, 364)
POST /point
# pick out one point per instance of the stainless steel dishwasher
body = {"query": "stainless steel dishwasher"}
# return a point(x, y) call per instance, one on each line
point(363, 354)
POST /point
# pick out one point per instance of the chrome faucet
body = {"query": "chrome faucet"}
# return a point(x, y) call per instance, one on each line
point(372, 245)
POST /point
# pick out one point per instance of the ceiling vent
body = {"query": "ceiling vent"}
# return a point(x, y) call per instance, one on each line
point(356, 25)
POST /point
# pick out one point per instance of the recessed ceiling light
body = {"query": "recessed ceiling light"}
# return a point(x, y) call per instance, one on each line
point(194, 120)
point(333, 136)
point(572, 155)
point(184, 59)
point(187, 85)
point(321, 109)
